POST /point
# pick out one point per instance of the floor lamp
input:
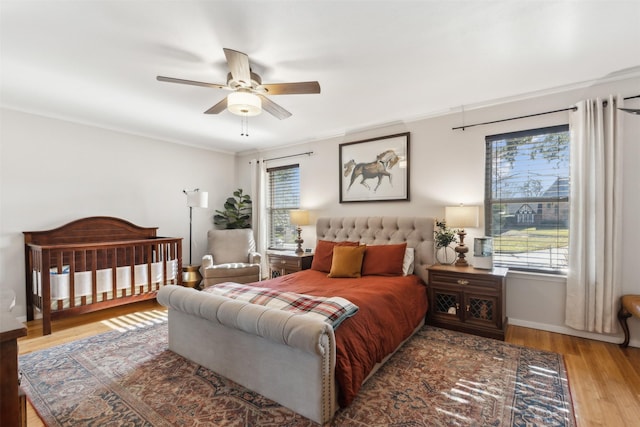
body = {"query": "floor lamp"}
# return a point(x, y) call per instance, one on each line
point(195, 199)
point(460, 217)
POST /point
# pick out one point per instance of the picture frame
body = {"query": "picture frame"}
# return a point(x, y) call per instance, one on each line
point(375, 170)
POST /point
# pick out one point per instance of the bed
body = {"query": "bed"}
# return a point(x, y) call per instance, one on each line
point(295, 359)
point(95, 263)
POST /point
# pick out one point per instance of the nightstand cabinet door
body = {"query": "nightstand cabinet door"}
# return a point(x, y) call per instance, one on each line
point(482, 310)
point(445, 304)
point(283, 263)
point(468, 300)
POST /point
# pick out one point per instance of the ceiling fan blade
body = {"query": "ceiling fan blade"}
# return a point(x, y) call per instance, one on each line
point(190, 82)
point(291, 88)
point(218, 108)
point(239, 66)
point(274, 109)
point(630, 110)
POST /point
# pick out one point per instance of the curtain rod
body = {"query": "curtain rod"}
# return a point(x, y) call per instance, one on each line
point(307, 153)
point(530, 115)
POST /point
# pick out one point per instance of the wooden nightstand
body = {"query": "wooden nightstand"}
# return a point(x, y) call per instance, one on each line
point(287, 262)
point(468, 299)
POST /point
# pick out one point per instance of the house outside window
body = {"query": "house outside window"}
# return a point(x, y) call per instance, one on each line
point(527, 199)
point(283, 196)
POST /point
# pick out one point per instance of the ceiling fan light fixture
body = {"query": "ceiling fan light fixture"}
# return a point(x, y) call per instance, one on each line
point(244, 104)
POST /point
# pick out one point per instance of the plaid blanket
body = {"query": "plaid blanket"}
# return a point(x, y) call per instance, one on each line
point(332, 310)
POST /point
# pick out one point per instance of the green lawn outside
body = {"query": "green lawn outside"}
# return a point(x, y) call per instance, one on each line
point(531, 239)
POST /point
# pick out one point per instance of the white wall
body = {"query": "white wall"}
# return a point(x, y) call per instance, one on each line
point(53, 172)
point(447, 168)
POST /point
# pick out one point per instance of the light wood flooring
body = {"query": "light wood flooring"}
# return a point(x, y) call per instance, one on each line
point(604, 378)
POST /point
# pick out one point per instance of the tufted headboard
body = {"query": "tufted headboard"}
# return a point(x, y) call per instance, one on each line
point(383, 230)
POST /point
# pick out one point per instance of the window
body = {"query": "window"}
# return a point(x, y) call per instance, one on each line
point(284, 195)
point(527, 199)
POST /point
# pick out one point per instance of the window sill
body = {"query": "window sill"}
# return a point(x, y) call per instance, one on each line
point(543, 277)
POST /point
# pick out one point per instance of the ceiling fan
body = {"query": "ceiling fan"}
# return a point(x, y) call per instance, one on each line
point(248, 92)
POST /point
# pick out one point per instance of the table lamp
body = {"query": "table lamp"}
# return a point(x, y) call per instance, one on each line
point(299, 217)
point(460, 217)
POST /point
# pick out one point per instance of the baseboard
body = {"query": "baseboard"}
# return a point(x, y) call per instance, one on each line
point(614, 339)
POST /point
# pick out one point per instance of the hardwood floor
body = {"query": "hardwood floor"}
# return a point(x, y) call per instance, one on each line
point(604, 379)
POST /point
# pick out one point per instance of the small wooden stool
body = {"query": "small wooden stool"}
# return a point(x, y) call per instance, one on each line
point(629, 306)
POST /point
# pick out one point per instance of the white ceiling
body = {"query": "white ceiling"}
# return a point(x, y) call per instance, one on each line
point(96, 61)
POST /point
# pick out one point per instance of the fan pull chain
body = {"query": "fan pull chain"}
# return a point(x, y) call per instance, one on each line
point(244, 126)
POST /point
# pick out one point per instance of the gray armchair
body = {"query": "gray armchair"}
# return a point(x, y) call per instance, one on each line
point(232, 257)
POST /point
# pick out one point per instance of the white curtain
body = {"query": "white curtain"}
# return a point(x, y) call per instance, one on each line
point(595, 247)
point(259, 207)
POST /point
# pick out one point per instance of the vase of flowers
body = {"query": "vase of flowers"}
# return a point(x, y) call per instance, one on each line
point(444, 237)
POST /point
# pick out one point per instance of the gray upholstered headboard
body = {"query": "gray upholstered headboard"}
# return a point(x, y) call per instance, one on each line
point(382, 230)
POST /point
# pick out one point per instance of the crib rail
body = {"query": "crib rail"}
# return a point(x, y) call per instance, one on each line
point(68, 279)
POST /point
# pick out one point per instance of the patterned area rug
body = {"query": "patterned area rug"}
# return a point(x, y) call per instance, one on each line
point(439, 378)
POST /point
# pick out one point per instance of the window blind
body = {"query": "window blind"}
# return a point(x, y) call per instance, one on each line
point(527, 198)
point(284, 195)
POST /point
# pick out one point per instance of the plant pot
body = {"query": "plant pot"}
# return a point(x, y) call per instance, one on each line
point(445, 255)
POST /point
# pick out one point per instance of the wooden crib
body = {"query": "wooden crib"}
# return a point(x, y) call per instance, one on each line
point(95, 263)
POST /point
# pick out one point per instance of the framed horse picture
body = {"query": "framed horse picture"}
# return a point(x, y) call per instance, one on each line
point(375, 170)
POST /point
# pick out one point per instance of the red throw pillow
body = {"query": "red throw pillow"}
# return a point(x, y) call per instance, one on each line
point(323, 254)
point(383, 260)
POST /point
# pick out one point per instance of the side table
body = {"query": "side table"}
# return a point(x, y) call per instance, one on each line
point(191, 276)
point(11, 407)
point(286, 262)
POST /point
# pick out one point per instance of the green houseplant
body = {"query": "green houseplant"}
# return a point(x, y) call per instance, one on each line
point(236, 213)
point(443, 237)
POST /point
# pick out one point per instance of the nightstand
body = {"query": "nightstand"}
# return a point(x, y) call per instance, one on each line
point(468, 299)
point(287, 262)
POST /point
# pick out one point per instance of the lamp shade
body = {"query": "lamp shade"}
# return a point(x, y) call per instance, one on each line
point(244, 104)
point(197, 199)
point(299, 217)
point(461, 216)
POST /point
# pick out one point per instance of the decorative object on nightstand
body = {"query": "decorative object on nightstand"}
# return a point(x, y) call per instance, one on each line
point(461, 217)
point(299, 217)
point(282, 263)
point(483, 253)
point(195, 199)
point(468, 300)
point(444, 237)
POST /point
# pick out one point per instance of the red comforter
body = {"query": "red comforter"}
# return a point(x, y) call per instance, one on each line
point(390, 308)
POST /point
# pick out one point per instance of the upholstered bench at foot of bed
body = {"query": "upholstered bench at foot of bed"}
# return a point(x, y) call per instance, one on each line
point(291, 362)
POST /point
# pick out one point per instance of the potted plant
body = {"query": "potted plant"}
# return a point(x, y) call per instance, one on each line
point(444, 237)
point(236, 213)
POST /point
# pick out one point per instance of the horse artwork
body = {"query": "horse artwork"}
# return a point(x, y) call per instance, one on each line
point(380, 167)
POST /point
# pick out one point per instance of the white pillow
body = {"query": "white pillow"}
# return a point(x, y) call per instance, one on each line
point(407, 263)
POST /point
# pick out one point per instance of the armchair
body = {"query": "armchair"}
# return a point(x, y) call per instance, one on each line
point(231, 257)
